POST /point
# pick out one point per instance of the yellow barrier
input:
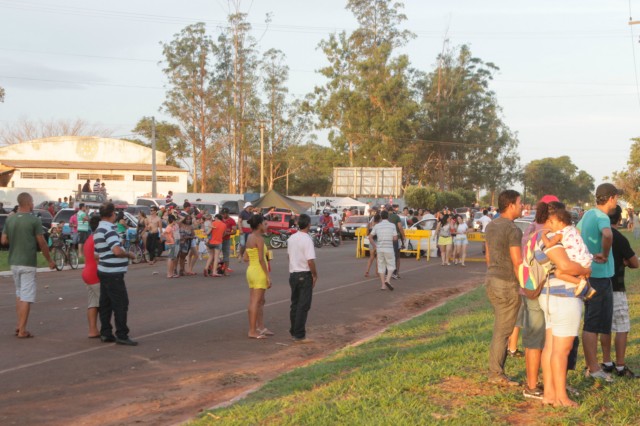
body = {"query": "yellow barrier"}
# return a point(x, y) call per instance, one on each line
point(199, 233)
point(417, 235)
point(477, 237)
point(361, 234)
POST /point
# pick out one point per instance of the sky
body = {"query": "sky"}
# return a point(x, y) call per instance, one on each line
point(567, 83)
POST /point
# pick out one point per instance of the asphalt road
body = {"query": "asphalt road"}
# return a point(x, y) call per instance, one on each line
point(193, 350)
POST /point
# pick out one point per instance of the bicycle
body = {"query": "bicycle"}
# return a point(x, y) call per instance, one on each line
point(132, 243)
point(63, 252)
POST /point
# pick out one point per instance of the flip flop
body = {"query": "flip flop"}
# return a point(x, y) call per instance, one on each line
point(17, 331)
point(389, 286)
point(260, 336)
point(24, 336)
point(93, 337)
point(266, 332)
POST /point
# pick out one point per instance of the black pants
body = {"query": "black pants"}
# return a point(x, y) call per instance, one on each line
point(152, 245)
point(301, 292)
point(113, 300)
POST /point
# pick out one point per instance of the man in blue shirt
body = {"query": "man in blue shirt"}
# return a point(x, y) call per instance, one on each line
point(595, 228)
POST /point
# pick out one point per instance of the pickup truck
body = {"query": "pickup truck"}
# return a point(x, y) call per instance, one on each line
point(90, 199)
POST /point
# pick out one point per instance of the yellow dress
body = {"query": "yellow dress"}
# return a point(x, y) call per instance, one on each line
point(256, 278)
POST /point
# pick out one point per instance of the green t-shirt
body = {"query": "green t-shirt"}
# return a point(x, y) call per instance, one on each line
point(83, 221)
point(21, 229)
point(590, 227)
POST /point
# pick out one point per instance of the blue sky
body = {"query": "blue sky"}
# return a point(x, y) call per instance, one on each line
point(566, 83)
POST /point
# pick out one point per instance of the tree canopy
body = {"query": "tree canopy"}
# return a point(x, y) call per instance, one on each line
point(560, 177)
point(628, 179)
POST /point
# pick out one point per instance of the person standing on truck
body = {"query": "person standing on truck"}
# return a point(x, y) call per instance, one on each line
point(87, 186)
point(96, 186)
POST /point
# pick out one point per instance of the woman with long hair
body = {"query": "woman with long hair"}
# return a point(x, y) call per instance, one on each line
point(443, 231)
point(562, 309)
point(187, 236)
point(171, 242)
point(257, 277)
point(460, 242)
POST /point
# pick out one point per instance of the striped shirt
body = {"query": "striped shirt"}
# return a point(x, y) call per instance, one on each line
point(105, 239)
point(385, 231)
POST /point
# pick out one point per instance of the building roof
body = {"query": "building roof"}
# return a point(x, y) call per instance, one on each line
point(37, 164)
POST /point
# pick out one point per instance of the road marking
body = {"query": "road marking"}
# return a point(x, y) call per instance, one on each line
point(191, 324)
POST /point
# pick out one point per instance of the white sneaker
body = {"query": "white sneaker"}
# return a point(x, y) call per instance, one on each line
point(599, 375)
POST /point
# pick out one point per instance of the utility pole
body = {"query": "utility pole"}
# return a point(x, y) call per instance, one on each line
point(154, 191)
point(261, 157)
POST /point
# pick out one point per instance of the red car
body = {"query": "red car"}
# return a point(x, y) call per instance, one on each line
point(277, 221)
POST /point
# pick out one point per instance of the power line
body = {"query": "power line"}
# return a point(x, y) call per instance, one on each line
point(82, 83)
point(633, 51)
point(286, 28)
point(118, 58)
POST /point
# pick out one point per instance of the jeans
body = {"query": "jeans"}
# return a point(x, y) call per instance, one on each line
point(152, 245)
point(113, 300)
point(301, 292)
point(505, 300)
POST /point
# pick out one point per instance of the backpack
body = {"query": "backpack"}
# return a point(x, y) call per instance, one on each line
point(533, 272)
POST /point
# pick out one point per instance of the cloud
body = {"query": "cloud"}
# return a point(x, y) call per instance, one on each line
point(33, 75)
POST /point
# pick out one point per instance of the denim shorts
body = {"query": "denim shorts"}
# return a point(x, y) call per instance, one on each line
point(598, 311)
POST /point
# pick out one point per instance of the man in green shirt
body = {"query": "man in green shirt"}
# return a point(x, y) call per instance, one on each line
point(83, 226)
point(23, 233)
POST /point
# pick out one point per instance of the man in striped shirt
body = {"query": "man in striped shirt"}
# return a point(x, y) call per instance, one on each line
point(381, 239)
point(112, 266)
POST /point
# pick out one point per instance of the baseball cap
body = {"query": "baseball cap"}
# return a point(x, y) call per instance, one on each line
point(607, 190)
point(224, 210)
point(247, 204)
point(548, 198)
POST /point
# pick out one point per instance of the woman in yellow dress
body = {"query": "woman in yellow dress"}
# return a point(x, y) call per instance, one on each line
point(257, 277)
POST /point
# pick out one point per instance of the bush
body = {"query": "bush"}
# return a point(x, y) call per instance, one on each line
point(449, 199)
point(420, 197)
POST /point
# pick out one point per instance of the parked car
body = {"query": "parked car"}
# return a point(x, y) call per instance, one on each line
point(403, 221)
point(93, 200)
point(524, 222)
point(352, 223)
point(3, 220)
point(277, 221)
point(134, 210)
point(206, 207)
point(45, 217)
point(158, 202)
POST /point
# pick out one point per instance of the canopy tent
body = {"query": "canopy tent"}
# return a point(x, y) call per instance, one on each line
point(275, 199)
point(348, 202)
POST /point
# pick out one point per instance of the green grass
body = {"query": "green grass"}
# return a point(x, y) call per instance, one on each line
point(429, 370)
point(4, 260)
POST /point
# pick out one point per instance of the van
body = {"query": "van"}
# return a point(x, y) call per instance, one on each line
point(206, 207)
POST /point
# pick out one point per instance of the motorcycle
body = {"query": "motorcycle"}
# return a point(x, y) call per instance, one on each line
point(316, 235)
point(280, 239)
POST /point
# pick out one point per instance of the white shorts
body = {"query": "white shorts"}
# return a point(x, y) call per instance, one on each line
point(562, 314)
point(93, 291)
point(461, 240)
point(386, 261)
point(621, 323)
point(24, 277)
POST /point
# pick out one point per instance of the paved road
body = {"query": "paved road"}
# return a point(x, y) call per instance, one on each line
point(193, 348)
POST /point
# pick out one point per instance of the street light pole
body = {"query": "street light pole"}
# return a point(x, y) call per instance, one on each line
point(154, 192)
point(261, 157)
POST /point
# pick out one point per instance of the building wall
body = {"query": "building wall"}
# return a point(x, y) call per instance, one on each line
point(81, 148)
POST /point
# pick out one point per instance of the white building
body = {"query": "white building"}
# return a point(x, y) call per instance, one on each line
point(58, 166)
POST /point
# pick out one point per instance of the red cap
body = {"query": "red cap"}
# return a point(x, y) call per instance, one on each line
point(199, 216)
point(548, 198)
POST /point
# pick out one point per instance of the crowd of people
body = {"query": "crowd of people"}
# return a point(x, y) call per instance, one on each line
point(586, 274)
point(587, 265)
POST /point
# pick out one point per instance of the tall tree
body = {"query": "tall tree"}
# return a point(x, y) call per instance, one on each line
point(464, 141)
point(628, 179)
point(558, 176)
point(2, 93)
point(366, 102)
point(168, 139)
point(190, 95)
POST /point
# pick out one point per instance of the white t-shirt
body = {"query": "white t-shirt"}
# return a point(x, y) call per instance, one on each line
point(484, 221)
point(336, 219)
point(300, 251)
point(462, 230)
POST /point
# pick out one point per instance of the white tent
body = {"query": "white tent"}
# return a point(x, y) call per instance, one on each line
point(348, 202)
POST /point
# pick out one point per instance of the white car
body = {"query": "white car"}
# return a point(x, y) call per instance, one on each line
point(403, 221)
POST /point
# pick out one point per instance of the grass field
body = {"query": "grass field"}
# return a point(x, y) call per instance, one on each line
point(429, 370)
point(4, 261)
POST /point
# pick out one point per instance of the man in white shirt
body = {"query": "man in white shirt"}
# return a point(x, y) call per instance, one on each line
point(484, 220)
point(381, 239)
point(302, 278)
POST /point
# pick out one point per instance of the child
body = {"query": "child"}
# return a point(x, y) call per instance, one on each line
point(576, 250)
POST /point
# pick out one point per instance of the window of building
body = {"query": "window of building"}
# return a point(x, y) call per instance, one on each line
point(84, 176)
point(159, 178)
point(38, 175)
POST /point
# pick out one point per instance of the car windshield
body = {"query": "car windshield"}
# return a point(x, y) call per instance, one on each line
point(64, 215)
point(357, 219)
point(478, 215)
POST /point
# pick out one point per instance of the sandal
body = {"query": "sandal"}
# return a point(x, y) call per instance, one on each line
point(366, 274)
point(259, 336)
point(266, 332)
point(26, 335)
